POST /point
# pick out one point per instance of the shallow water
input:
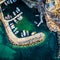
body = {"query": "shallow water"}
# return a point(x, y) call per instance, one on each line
point(43, 51)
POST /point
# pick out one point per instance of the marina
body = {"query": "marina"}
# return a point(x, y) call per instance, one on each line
point(25, 32)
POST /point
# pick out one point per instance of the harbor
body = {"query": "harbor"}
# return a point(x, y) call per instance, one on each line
point(23, 35)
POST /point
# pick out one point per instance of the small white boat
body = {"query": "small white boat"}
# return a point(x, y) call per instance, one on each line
point(27, 33)
point(15, 21)
point(14, 13)
point(11, 1)
point(5, 3)
point(24, 33)
point(5, 17)
point(36, 15)
point(21, 34)
point(35, 22)
point(16, 32)
point(11, 24)
point(20, 18)
point(18, 9)
point(10, 16)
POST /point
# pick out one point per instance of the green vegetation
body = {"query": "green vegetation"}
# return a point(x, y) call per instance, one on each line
point(25, 24)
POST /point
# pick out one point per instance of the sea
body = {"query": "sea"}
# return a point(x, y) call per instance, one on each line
point(46, 50)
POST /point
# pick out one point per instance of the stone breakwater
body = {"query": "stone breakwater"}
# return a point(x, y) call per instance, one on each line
point(40, 37)
point(26, 41)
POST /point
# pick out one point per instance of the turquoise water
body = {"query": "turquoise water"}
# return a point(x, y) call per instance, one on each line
point(44, 51)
